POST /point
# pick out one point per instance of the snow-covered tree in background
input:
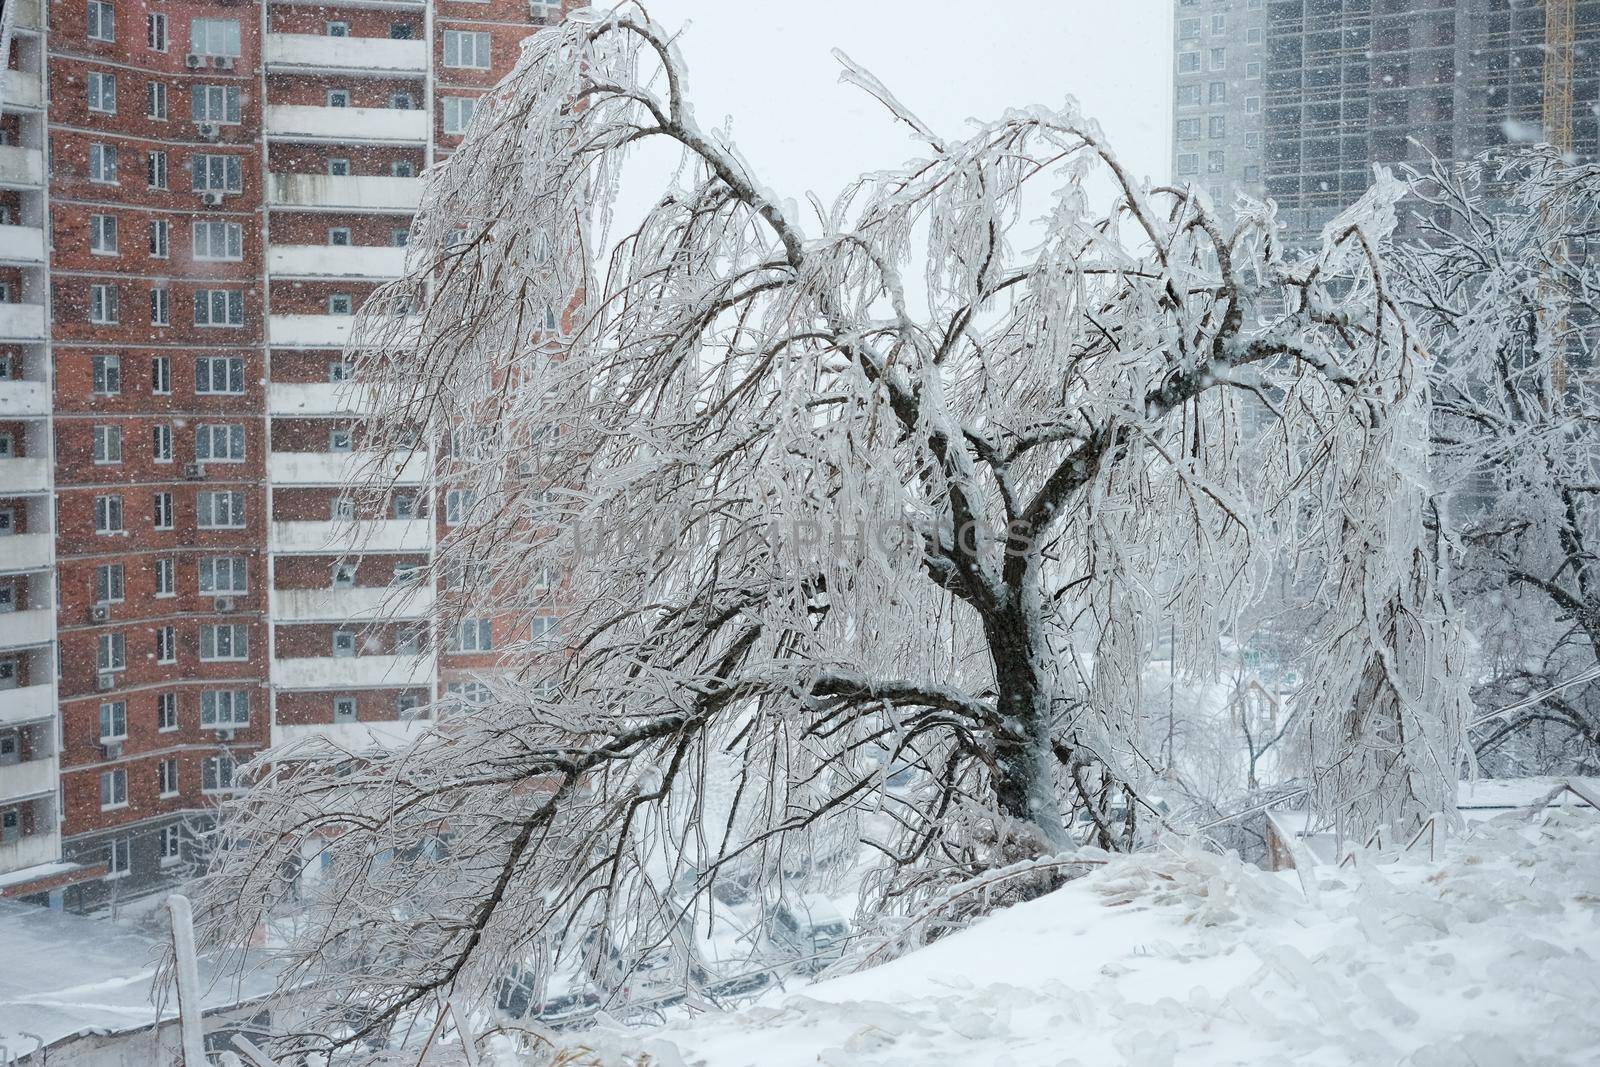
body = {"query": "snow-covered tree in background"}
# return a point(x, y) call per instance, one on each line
point(894, 487)
point(1507, 286)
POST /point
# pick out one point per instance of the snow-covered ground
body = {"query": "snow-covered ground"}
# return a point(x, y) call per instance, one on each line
point(1488, 957)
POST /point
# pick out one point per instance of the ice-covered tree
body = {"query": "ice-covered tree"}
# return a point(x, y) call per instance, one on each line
point(891, 488)
point(1505, 282)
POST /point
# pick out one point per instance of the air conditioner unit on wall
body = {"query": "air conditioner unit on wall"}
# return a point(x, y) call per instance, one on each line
point(111, 749)
point(192, 61)
point(224, 603)
point(225, 62)
point(99, 613)
point(225, 734)
point(209, 131)
point(194, 471)
point(106, 681)
point(213, 199)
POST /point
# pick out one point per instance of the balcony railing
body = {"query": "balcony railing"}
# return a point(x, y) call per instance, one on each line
point(340, 468)
point(24, 552)
point(356, 604)
point(337, 261)
point(30, 703)
point(316, 53)
point(21, 244)
point(359, 125)
point(23, 399)
point(24, 476)
point(35, 850)
point(21, 90)
point(21, 167)
point(354, 672)
point(20, 629)
point(338, 538)
point(318, 398)
point(310, 331)
point(21, 322)
point(348, 736)
point(345, 192)
point(26, 15)
point(26, 779)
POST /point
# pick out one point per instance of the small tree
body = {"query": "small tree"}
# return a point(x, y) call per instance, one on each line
point(1505, 282)
point(892, 492)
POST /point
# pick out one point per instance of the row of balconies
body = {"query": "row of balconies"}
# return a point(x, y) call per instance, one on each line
point(27, 629)
point(355, 672)
point(25, 324)
point(361, 604)
point(27, 779)
point(22, 90)
point(29, 476)
point(31, 851)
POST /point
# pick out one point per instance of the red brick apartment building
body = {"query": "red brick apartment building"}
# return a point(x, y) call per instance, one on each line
point(194, 197)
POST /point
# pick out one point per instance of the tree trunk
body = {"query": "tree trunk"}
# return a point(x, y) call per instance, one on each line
point(1024, 777)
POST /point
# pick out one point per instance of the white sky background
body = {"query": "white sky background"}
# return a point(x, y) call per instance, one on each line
point(767, 66)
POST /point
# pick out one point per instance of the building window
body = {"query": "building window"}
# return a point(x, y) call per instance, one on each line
point(408, 706)
point(109, 587)
point(161, 504)
point(160, 238)
point(223, 641)
point(344, 643)
point(166, 577)
point(1252, 173)
point(1188, 28)
point(156, 99)
point(1217, 92)
point(155, 32)
point(105, 305)
point(458, 111)
point(224, 575)
point(156, 170)
point(341, 508)
point(106, 375)
point(114, 794)
point(1252, 105)
point(1217, 127)
point(338, 29)
point(338, 371)
point(1188, 163)
point(171, 847)
point(102, 21)
point(216, 774)
point(339, 440)
point(219, 442)
point(161, 442)
point(400, 31)
point(402, 102)
point(103, 164)
point(108, 444)
point(1252, 139)
point(112, 656)
point(1253, 35)
point(116, 848)
point(338, 97)
point(1219, 23)
point(403, 168)
point(160, 307)
point(161, 375)
point(108, 514)
point(344, 575)
point(1218, 59)
point(458, 504)
point(339, 236)
point(219, 374)
point(338, 168)
point(408, 642)
point(344, 709)
point(167, 712)
point(1188, 129)
point(1216, 161)
point(217, 105)
point(166, 645)
point(225, 708)
point(341, 304)
point(1188, 96)
point(102, 92)
point(218, 173)
point(471, 635)
point(218, 307)
point(214, 37)
point(1188, 62)
point(399, 238)
point(220, 510)
point(466, 48)
point(1252, 70)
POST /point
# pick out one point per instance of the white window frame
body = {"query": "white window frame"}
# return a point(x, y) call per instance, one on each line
point(103, 163)
point(207, 509)
point(105, 375)
point(166, 577)
point(224, 576)
point(105, 304)
point(224, 709)
point(468, 49)
point(103, 234)
point(102, 21)
point(166, 712)
point(118, 849)
point(207, 370)
point(114, 795)
point(212, 643)
point(164, 512)
point(101, 88)
point(219, 308)
point(111, 653)
point(458, 113)
point(219, 442)
point(108, 517)
point(166, 644)
point(214, 37)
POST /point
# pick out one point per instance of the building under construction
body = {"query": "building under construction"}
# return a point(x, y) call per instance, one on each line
point(1331, 87)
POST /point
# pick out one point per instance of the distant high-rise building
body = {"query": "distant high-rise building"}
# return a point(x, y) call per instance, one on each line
point(1345, 84)
point(195, 196)
point(1218, 85)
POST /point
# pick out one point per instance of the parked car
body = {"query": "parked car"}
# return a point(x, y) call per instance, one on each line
point(810, 928)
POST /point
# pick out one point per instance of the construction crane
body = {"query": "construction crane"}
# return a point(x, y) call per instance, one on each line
point(1559, 30)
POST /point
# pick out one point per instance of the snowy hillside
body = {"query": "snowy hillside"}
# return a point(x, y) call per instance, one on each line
point(1488, 957)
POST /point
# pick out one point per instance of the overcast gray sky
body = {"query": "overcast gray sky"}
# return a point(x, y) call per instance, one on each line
point(767, 65)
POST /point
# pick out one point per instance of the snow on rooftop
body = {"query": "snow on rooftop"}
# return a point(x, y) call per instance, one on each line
point(62, 974)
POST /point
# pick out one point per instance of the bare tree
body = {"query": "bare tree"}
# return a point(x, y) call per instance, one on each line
point(1505, 282)
point(894, 490)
